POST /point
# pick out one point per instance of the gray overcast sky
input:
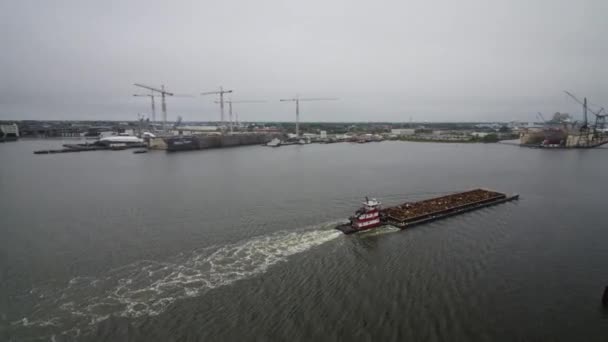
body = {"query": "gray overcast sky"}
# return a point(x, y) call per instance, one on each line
point(433, 60)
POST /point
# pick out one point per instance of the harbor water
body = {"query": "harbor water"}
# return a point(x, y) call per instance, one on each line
point(238, 245)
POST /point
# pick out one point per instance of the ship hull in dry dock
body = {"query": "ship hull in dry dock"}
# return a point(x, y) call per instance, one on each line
point(188, 143)
point(531, 138)
point(554, 137)
point(202, 142)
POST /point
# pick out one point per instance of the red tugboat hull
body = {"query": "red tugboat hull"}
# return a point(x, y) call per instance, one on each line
point(347, 228)
point(367, 217)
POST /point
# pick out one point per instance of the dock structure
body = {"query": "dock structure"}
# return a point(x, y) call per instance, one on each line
point(581, 140)
point(9, 132)
point(560, 132)
point(586, 140)
point(71, 148)
point(207, 141)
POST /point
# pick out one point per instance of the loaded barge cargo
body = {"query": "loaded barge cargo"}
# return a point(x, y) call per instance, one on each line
point(372, 215)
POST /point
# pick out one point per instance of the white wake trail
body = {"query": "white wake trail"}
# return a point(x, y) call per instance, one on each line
point(149, 287)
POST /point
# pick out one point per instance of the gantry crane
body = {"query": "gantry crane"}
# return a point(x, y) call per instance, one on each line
point(297, 100)
point(585, 108)
point(600, 118)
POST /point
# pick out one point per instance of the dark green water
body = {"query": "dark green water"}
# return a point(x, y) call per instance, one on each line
point(237, 244)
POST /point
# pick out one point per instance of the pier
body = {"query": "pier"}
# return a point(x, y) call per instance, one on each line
point(71, 148)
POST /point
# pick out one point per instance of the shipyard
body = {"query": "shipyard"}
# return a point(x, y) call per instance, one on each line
point(562, 131)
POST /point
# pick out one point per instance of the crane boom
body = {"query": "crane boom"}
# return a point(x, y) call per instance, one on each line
point(585, 107)
point(573, 97)
point(587, 104)
point(540, 115)
point(174, 95)
point(162, 91)
point(246, 101)
point(216, 92)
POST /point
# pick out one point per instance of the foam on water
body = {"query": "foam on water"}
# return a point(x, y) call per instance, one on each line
point(378, 231)
point(148, 287)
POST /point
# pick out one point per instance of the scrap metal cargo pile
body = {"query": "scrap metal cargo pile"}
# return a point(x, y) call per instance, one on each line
point(408, 212)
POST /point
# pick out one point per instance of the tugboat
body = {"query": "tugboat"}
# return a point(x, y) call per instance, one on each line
point(367, 217)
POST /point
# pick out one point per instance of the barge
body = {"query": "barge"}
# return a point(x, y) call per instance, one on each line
point(372, 215)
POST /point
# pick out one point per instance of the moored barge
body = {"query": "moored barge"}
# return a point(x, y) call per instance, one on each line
point(372, 215)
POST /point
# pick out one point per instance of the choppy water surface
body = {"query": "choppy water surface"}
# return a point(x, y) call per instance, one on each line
point(237, 244)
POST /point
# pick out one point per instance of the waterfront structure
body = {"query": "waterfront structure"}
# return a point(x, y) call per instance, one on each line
point(403, 131)
point(9, 132)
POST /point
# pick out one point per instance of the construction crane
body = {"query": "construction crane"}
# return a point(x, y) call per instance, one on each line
point(600, 119)
point(585, 108)
point(230, 102)
point(163, 94)
point(151, 96)
point(221, 92)
point(541, 117)
point(297, 100)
